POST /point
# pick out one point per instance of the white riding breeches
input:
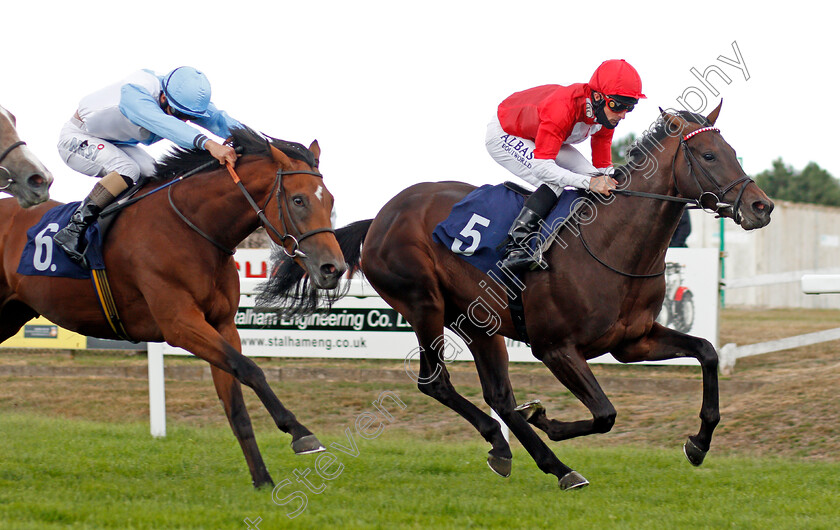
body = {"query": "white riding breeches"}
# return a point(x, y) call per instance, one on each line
point(97, 157)
point(569, 168)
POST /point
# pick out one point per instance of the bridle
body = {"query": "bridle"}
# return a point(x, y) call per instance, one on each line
point(276, 189)
point(280, 190)
point(708, 201)
point(3, 155)
point(714, 202)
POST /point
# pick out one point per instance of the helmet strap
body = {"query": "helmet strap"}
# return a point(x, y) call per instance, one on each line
point(600, 115)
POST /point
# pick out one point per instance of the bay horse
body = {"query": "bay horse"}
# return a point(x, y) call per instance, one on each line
point(172, 275)
point(601, 292)
point(22, 175)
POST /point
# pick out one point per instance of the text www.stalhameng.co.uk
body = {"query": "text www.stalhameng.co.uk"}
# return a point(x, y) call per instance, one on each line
point(292, 342)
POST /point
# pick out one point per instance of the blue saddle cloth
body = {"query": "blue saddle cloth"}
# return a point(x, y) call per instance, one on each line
point(42, 257)
point(478, 225)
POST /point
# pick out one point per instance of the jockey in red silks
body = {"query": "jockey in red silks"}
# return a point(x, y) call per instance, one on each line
point(533, 134)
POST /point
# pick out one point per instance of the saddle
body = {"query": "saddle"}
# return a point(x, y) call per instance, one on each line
point(477, 231)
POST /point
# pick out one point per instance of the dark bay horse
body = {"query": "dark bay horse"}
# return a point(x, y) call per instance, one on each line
point(21, 174)
point(601, 292)
point(172, 275)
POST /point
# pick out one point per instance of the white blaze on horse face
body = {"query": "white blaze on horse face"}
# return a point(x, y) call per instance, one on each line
point(320, 193)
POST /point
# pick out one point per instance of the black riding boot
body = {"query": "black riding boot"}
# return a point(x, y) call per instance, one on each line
point(70, 238)
point(518, 257)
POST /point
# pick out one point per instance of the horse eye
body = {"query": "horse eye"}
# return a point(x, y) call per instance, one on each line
point(298, 201)
point(709, 156)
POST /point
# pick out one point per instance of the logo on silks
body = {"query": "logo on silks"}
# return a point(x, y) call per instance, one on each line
point(517, 148)
point(42, 257)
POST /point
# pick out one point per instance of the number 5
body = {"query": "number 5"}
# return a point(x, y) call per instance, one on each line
point(471, 232)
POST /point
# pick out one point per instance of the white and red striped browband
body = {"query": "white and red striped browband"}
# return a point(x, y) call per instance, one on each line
point(698, 131)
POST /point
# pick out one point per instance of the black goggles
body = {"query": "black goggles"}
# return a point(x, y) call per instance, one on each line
point(621, 103)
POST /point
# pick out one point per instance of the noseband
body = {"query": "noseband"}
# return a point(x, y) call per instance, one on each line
point(3, 155)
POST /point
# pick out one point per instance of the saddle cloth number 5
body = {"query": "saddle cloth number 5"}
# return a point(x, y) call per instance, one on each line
point(470, 231)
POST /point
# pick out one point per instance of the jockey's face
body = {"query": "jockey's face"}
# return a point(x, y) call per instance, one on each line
point(612, 116)
point(167, 108)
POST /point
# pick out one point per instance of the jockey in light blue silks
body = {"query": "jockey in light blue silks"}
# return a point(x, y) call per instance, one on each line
point(102, 137)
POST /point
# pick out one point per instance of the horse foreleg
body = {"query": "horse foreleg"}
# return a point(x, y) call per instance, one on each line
point(230, 394)
point(571, 369)
point(189, 330)
point(664, 343)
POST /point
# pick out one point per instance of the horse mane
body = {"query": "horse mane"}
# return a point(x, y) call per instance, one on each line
point(180, 160)
point(651, 140)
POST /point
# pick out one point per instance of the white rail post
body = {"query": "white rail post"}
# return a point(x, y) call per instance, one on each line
point(157, 393)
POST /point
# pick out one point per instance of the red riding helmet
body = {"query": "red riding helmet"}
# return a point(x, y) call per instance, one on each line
point(616, 77)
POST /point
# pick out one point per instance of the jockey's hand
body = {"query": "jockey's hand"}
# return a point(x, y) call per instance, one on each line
point(222, 153)
point(602, 184)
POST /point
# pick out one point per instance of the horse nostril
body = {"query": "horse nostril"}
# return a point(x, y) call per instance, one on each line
point(762, 207)
point(36, 180)
point(329, 270)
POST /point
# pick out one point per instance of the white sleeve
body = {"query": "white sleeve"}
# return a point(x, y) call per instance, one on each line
point(548, 171)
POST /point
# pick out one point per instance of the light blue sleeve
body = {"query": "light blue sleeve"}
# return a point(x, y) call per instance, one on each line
point(141, 109)
point(219, 122)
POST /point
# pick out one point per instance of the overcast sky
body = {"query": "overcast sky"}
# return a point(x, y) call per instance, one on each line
point(400, 92)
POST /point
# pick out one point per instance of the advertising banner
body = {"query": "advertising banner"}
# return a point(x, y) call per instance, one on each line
point(362, 325)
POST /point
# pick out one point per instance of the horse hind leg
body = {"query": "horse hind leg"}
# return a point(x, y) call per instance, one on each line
point(491, 361)
point(13, 316)
point(419, 304)
point(230, 394)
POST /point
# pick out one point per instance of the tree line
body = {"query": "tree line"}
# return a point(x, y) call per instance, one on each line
point(812, 184)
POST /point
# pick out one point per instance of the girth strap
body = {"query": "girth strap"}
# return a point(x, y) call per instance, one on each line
point(109, 307)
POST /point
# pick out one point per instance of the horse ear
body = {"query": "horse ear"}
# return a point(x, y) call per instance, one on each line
point(674, 124)
point(713, 116)
point(316, 150)
point(280, 157)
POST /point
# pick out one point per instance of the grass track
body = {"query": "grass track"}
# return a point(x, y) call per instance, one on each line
point(81, 474)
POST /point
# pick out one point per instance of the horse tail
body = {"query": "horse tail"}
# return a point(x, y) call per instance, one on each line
point(288, 289)
point(350, 239)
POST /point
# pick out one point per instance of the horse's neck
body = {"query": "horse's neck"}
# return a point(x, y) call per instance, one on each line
point(634, 232)
point(219, 208)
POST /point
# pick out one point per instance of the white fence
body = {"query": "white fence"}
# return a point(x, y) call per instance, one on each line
point(810, 284)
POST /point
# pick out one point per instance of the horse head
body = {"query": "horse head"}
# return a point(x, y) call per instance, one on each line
point(303, 208)
point(706, 169)
point(21, 173)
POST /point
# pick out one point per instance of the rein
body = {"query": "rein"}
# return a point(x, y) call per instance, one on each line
point(3, 155)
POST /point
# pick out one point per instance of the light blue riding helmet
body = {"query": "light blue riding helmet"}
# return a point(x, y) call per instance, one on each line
point(188, 91)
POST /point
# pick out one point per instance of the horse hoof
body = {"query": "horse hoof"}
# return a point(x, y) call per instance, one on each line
point(573, 480)
point(528, 409)
point(306, 445)
point(694, 454)
point(500, 465)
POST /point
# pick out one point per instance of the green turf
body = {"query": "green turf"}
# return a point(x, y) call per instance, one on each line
point(77, 474)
